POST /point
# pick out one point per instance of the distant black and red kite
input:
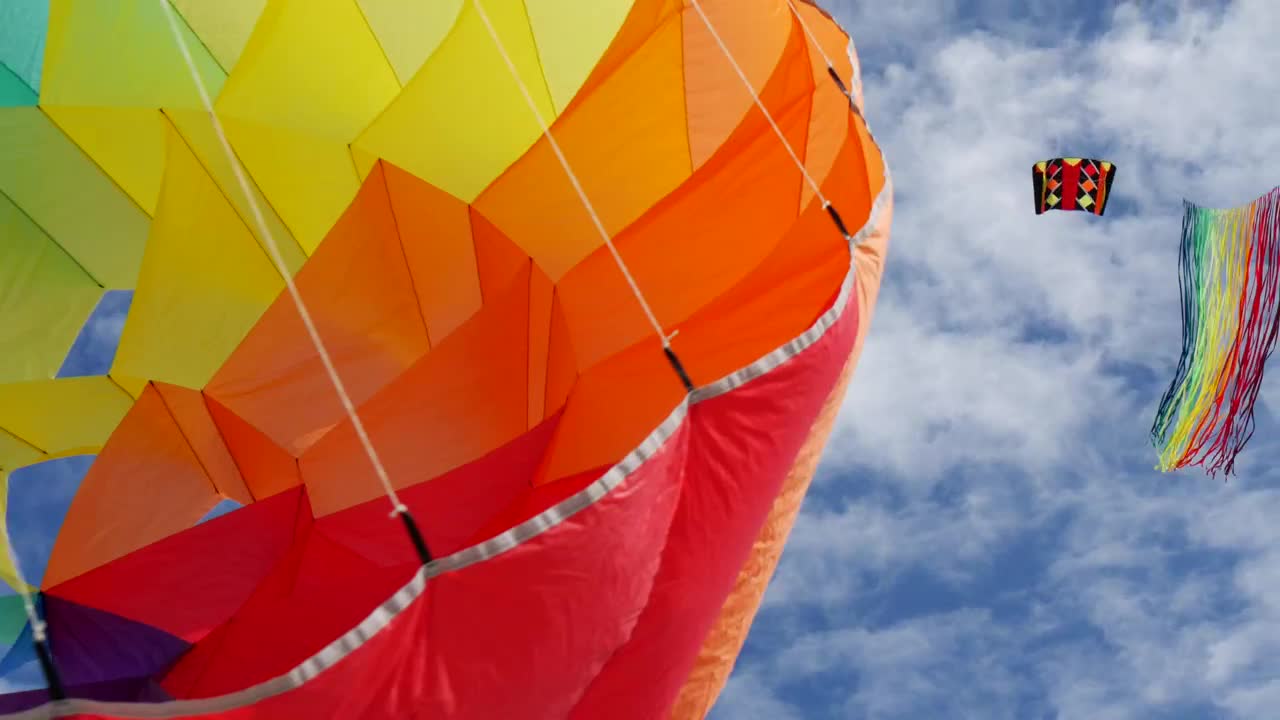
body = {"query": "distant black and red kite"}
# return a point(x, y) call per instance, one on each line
point(1072, 184)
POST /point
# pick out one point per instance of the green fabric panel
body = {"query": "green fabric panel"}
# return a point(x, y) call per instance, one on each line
point(45, 298)
point(70, 198)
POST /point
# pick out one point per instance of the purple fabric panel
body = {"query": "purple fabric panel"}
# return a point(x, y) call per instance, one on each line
point(93, 646)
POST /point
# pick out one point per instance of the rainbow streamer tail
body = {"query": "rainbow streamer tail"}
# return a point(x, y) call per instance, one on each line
point(1230, 270)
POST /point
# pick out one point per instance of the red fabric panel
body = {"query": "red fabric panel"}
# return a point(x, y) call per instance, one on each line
point(497, 258)
point(532, 503)
point(740, 449)
point(602, 615)
point(517, 637)
point(1070, 183)
point(191, 582)
point(353, 560)
point(283, 621)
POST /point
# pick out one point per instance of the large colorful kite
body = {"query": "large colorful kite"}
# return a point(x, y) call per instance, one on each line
point(512, 329)
point(1080, 184)
point(1230, 274)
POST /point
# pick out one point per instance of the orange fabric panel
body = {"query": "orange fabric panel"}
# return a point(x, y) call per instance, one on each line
point(610, 410)
point(785, 293)
point(361, 297)
point(642, 20)
point(498, 259)
point(834, 41)
point(562, 368)
point(829, 123)
point(716, 97)
point(725, 640)
point(837, 45)
point(873, 164)
point(435, 230)
point(541, 294)
point(467, 397)
point(870, 255)
point(145, 485)
point(736, 293)
point(192, 415)
point(738, 206)
point(778, 301)
point(626, 143)
point(266, 467)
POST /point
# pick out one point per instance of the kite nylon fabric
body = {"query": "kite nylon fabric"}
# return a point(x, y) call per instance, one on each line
point(1229, 264)
point(1082, 184)
point(476, 313)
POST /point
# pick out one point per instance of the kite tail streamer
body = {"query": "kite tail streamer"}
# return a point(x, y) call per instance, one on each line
point(1230, 284)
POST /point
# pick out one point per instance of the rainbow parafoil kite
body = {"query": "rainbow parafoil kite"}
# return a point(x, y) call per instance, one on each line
point(1230, 285)
point(511, 330)
point(1082, 184)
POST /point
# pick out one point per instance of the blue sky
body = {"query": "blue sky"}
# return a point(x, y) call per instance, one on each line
point(986, 537)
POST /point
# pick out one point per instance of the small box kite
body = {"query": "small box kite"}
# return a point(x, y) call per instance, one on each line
point(1072, 184)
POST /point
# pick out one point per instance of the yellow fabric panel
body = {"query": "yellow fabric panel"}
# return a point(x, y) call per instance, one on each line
point(571, 37)
point(409, 31)
point(66, 416)
point(312, 66)
point(462, 119)
point(65, 193)
point(108, 67)
point(10, 447)
point(8, 575)
point(204, 281)
point(132, 385)
point(17, 453)
point(364, 161)
point(309, 80)
point(119, 53)
point(127, 143)
point(310, 180)
point(224, 26)
point(311, 77)
point(197, 131)
point(45, 298)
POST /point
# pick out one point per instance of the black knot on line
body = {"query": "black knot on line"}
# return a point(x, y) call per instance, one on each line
point(839, 221)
